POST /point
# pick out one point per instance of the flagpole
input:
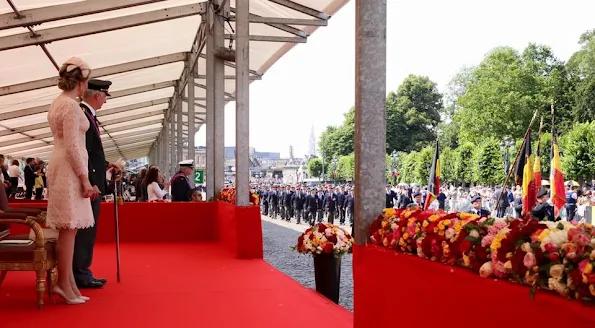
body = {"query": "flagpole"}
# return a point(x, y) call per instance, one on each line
point(516, 159)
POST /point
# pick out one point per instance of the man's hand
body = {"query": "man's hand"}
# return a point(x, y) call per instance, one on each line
point(96, 193)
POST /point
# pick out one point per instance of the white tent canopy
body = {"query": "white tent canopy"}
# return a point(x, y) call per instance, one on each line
point(142, 47)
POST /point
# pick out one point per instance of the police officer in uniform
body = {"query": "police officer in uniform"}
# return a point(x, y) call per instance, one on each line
point(543, 211)
point(180, 183)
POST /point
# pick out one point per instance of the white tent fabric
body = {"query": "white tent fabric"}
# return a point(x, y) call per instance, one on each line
point(140, 48)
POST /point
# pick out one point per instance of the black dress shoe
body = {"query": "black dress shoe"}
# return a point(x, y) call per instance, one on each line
point(89, 284)
point(101, 280)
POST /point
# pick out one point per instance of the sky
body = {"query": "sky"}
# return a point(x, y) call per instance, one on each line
point(313, 85)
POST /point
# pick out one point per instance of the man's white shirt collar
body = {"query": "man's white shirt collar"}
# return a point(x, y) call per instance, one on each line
point(90, 108)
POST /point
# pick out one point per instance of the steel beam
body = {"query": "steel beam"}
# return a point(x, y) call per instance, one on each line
point(99, 72)
point(232, 65)
point(229, 96)
point(116, 94)
point(283, 21)
point(231, 77)
point(370, 116)
point(141, 89)
point(242, 182)
point(269, 38)
point(41, 15)
point(77, 30)
point(301, 8)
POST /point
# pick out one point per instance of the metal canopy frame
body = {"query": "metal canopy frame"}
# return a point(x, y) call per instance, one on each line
point(152, 107)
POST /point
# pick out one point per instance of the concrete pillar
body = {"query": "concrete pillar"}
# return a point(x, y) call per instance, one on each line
point(215, 125)
point(210, 104)
point(179, 131)
point(370, 115)
point(242, 103)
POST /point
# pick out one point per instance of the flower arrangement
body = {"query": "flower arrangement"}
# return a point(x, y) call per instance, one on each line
point(324, 238)
point(557, 256)
point(228, 194)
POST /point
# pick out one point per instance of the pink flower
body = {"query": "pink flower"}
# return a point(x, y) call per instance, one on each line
point(492, 230)
point(499, 269)
point(500, 225)
point(582, 240)
point(554, 256)
point(411, 230)
point(583, 265)
point(487, 240)
point(529, 260)
point(549, 247)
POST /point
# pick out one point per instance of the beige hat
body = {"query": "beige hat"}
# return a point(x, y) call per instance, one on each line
point(76, 62)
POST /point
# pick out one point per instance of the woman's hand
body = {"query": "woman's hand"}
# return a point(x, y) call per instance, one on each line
point(88, 191)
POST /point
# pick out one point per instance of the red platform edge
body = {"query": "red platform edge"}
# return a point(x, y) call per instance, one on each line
point(238, 228)
point(390, 287)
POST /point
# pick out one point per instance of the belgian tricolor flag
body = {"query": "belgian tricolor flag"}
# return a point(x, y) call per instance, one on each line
point(525, 177)
point(434, 180)
point(557, 192)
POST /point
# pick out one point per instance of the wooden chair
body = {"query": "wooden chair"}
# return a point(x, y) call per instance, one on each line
point(40, 256)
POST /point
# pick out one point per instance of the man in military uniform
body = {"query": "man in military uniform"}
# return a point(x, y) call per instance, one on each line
point(543, 211)
point(180, 183)
point(93, 99)
point(330, 205)
point(417, 201)
point(476, 203)
point(571, 198)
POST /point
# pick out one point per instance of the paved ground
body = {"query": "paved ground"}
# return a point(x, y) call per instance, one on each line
point(279, 236)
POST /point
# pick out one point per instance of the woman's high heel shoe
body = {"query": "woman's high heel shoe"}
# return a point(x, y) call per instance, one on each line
point(57, 291)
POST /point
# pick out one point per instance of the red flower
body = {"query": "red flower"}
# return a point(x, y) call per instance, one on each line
point(332, 239)
point(301, 240)
point(328, 248)
point(321, 227)
point(466, 246)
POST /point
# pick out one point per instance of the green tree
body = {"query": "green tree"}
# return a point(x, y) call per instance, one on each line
point(407, 167)
point(464, 166)
point(490, 164)
point(578, 161)
point(423, 165)
point(448, 159)
point(346, 167)
point(315, 167)
point(412, 114)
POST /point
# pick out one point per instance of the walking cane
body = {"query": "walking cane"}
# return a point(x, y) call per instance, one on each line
point(117, 201)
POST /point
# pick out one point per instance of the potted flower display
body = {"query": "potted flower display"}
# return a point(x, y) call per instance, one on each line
point(327, 243)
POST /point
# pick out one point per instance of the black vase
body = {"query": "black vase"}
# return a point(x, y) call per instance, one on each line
point(327, 274)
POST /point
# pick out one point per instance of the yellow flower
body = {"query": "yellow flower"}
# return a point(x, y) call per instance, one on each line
point(543, 234)
point(508, 255)
point(446, 222)
point(508, 265)
point(588, 268)
point(425, 224)
point(383, 224)
point(389, 212)
point(385, 242)
point(417, 230)
point(466, 260)
point(441, 233)
point(434, 217)
point(592, 289)
point(405, 236)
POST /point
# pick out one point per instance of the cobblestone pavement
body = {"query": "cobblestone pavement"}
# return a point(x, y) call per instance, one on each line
point(279, 236)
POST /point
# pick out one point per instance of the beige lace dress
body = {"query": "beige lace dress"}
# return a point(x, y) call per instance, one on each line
point(67, 208)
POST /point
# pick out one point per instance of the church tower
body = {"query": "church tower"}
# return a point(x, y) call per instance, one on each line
point(312, 145)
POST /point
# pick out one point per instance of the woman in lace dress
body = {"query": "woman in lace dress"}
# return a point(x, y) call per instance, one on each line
point(69, 207)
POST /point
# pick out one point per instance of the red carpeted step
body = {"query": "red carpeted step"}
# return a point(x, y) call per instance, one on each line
point(175, 285)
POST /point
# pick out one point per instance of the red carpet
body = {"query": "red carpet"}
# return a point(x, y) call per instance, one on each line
point(175, 285)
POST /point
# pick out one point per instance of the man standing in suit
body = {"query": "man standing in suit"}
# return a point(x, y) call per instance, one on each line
point(29, 178)
point(94, 98)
